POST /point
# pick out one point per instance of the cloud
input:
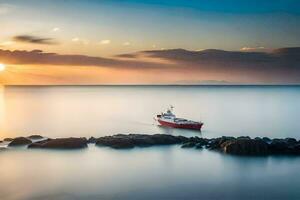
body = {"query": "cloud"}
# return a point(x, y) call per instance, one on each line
point(56, 29)
point(105, 42)
point(76, 39)
point(278, 66)
point(126, 44)
point(80, 41)
point(34, 39)
point(6, 43)
point(127, 55)
point(5, 9)
point(38, 57)
point(252, 48)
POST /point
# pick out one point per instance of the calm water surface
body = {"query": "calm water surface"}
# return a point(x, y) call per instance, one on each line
point(147, 173)
point(96, 111)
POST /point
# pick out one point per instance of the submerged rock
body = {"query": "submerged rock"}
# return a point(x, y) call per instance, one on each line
point(20, 141)
point(39, 144)
point(92, 140)
point(121, 141)
point(35, 137)
point(230, 145)
point(278, 146)
point(284, 146)
point(245, 137)
point(245, 146)
point(267, 140)
point(8, 139)
point(60, 143)
point(188, 145)
point(199, 146)
point(215, 143)
point(290, 141)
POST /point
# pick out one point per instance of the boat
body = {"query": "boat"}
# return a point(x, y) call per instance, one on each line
point(169, 119)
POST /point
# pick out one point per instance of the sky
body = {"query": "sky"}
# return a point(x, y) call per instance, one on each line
point(106, 29)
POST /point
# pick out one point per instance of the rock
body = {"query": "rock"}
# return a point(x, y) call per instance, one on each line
point(92, 140)
point(245, 146)
point(215, 143)
point(8, 139)
point(182, 138)
point(267, 140)
point(290, 141)
point(243, 137)
point(278, 146)
point(35, 137)
point(284, 146)
point(162, 139)
point(239, 146)
point(294, 149)
point(60, 143)
point(202, 142)
point(121, 141)
point(199, 146)
point(20, 141)
point(116, 141)
point(39, 144)
point(188, 145)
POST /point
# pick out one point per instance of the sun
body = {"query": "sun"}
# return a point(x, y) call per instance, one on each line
point(2, 67)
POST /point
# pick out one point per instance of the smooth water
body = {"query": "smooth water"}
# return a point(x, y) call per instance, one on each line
point(147, 173)
point(272, 111)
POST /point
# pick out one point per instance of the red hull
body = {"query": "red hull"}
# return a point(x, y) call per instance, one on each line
point(184, 126)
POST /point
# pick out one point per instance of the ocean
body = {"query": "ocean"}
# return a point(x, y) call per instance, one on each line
point(168, 172)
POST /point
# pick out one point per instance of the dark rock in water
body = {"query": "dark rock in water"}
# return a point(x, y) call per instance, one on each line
point(267, 140)
point(39, 144)
point(199, 146)
point(244, 146)
point(162, 139)
point(20, 141)
point(243, 137)
point(182, 138)
point(92, 140)
point(294, 149)
point(61, 143)
point(278, 146)
point(215, 143)
point(284, 146)
point(202, 142)
point(121, 141)
point(116, 141)
point(238, 146)
point(8, 139)
point(188, 145)
point(194, 139)
point(290, 141)
point(35, 137)
point(2, 148)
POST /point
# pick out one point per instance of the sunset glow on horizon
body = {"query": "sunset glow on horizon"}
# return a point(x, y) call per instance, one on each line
point(2, 67)
point(181, 42)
